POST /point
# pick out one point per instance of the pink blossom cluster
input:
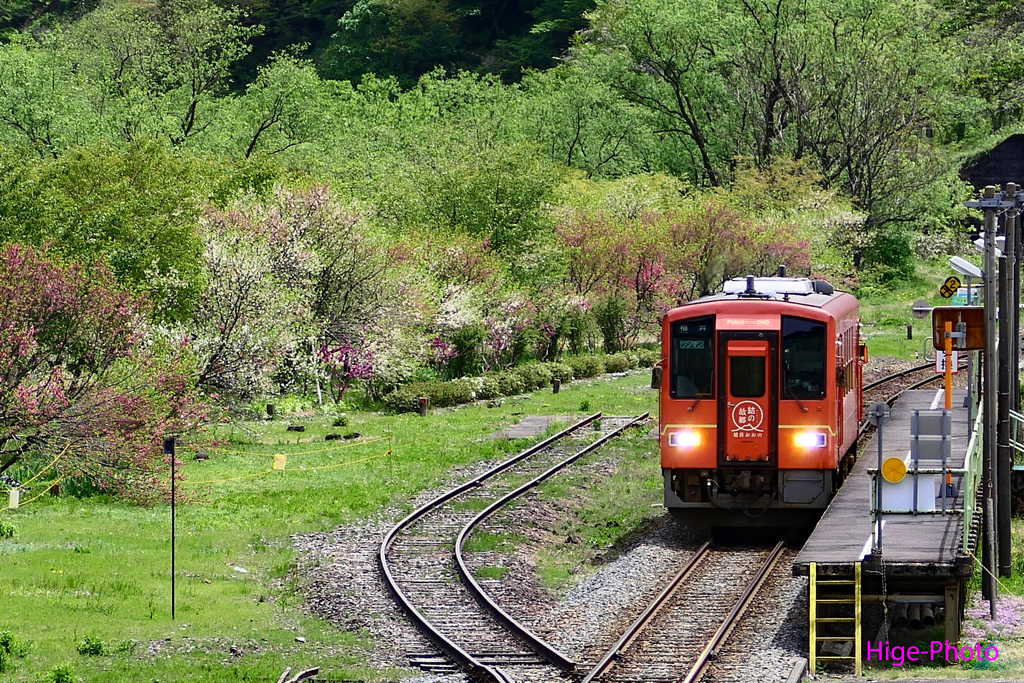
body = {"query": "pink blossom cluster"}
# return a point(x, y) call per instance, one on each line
point(346, 364)
point(78, 374)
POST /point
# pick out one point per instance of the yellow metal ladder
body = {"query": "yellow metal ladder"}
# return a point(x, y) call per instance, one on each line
point(832, 599)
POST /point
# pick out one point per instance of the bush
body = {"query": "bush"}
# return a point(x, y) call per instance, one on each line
point(404, 399)
point(535, 375)
point(646, 358)
point(610, 316)
point(509, 383)
point(440, 394)
point(489, 388)
point(9, 648)
point(585, 366)
point(7, 530)
point(467, 341)
point(341, 421)
point(472, 384)
point(617, 362)
point(560, 371)
point(444, 394)
point(91, 646)
point(632, 359)
point(61, 674)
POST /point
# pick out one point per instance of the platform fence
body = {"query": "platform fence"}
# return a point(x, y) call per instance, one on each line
point(972, 480)
point(1016, 429)
point(971, 473)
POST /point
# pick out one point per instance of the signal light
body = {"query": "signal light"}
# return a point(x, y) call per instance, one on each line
point(684, 439)
point(809, 440)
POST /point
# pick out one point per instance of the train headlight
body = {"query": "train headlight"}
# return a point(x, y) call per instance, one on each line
point(810, 440)
point(684, 439)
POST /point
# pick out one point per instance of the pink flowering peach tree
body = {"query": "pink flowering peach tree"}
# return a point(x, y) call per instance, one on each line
point(82, 375)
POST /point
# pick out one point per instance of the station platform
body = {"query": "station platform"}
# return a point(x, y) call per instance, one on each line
point(911, 544)
point(924, 561)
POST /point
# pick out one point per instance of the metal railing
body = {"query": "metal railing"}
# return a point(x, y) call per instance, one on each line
point(971, 472)
point(1016, 424)
point(972, 479)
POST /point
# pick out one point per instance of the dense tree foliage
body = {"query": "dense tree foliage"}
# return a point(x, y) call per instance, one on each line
point(134, 208)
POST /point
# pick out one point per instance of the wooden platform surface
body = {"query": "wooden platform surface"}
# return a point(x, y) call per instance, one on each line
point(928, 542)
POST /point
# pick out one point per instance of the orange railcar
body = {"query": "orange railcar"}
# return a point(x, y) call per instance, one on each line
point(761, 400)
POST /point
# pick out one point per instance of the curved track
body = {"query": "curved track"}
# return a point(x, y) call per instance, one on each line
point(890, 399)
point(697, 610)
point(897, 375)
point(423, 565)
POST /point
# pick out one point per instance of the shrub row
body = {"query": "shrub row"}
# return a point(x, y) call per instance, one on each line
point(514, 381)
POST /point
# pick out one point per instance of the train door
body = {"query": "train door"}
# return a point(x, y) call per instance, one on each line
point(747, 411)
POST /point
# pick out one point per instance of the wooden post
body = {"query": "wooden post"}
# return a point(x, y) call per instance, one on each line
point(953, 611)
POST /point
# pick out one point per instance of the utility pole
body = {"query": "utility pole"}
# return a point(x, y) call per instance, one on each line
point(1006, 377)
point(1015, 316)
point(988, 583)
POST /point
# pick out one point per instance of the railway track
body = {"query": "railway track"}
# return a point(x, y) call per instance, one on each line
point(422, 560)
point(424, 565)
point(901, 378)
point(695, 612)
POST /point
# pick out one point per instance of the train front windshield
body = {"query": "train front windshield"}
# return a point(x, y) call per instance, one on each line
point(693, 358)
point(803, 358)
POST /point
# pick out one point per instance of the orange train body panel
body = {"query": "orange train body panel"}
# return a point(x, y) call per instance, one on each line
point(760, 401)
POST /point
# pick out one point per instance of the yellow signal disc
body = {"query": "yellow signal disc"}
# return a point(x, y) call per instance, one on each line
point(893, 470)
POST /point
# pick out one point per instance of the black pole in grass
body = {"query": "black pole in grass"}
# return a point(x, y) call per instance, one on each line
point(169, 450)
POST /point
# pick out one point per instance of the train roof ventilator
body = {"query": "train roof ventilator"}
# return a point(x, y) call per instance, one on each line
point(776, 286)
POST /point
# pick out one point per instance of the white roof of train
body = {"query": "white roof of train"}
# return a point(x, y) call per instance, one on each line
point(770, 286)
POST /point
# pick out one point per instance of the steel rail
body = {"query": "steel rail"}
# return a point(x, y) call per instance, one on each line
point(447, 645)
point(892, 399)
point(711, 649)
point(648, 615)
point(542, 647)
point(897, 375)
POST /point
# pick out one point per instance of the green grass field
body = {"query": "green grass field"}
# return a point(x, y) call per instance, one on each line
point(886, 312)
point(94, 574)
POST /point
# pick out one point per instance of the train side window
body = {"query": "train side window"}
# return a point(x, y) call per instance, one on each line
point(693, 358)
point(803, 358)
point(746, 376)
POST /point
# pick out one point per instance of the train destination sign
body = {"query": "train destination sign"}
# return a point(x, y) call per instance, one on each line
point(949, 287)
point(765, 322)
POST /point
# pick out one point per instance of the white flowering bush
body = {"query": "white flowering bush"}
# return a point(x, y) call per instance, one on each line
point(246, 321)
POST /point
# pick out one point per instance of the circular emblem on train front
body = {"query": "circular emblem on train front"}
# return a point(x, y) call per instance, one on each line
point(747, 417)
